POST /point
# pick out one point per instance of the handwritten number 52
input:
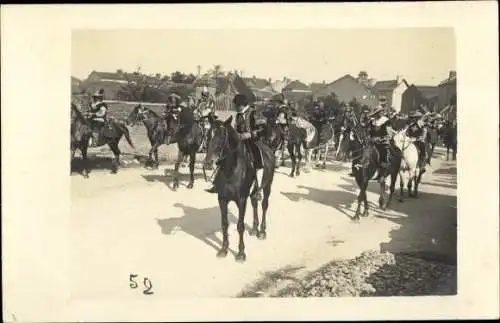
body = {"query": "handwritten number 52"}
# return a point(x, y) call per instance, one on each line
point(146, 282)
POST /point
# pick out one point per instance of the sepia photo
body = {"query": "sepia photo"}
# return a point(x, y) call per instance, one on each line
point(243, 163)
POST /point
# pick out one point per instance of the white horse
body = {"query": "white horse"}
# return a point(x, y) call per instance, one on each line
point(410, 171)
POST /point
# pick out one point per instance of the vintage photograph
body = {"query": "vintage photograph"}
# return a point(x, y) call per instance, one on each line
point(263, 163)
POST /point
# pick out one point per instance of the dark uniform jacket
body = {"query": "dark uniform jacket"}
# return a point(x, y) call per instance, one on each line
point(378, 130)
point(99, 111)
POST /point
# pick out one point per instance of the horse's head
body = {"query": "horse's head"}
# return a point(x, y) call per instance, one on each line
point(400, 139)
point(223, 140)
point(138, 114)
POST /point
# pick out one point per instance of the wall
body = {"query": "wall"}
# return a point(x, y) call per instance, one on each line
point(348, 88)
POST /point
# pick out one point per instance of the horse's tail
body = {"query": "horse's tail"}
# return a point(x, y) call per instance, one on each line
point(125, 131)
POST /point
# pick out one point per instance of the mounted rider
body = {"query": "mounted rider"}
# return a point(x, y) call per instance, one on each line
point(418, 133)
point(205, 110)
point(318, 114)
point(283, 113)
point(173, 102)
point(381, 132)
point(248, 132)
point(363, 117)
point(97, 116)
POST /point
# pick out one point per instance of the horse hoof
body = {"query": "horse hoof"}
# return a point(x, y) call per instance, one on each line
point(241, 257)
point(190, 185)
point(262, 235)
point(323, 166)
point(254, 232)
point(222, 253)
point(291, 175)
point(400, 200)
point(86, 176)
point(355, 219)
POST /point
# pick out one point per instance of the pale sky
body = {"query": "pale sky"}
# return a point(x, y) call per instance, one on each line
point(424, 56)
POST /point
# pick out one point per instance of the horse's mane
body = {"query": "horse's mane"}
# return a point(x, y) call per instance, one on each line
point(154, 114)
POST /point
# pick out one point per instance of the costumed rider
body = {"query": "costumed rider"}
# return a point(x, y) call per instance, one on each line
point(97, 116)
point(381, 132)
point(173, 105)
point(283, 110)
point(363, 118)
point(418, 134)
point(205, 111)
point(318, 114)
point(247, 132)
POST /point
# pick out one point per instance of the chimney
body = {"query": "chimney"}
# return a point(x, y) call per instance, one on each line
point(398, 77)
point(452, 74)
point(270, 80)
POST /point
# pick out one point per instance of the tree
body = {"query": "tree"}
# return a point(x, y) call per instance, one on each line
point(141, 87)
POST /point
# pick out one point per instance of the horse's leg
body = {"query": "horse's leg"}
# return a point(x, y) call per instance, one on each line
point(358, 208)
point(401, 186)
point(394, 177)
point(382, 197)
point(299, 159)
point(365, 200)
point(225, 224)
point(116, 161)
point(283, 153)
point(180, 158)
point(242, 205)
point(454, 151)
point(265, 205)
point(192, 160)
point(324, 157)
point(418, 178)
point(255, 226)
point(409, 182)
point(157, 161)
point(447, 152)
point(309, 153)
point(85, 160)
point(290, 148)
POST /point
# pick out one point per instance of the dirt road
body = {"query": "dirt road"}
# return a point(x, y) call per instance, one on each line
point(133, 223)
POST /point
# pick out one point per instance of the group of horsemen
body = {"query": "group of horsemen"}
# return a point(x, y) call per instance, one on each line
point(377, 123)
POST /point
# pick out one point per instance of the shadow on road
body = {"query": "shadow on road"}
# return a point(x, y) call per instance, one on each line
point(202, 224)
point(168, 177)
point(340, 200)
point(105, 163)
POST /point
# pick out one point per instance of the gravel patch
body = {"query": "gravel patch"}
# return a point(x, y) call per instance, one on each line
point(376, 274)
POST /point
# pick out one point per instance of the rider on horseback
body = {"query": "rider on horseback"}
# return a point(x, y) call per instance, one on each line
point(363, 118)
point(381, 133)
point(318, 114)
point(248, 132)
point(97, 116)
point(418, 133)
point(205, 111)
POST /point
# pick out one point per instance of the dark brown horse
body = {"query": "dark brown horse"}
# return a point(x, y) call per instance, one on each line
point(188, 134)
point(234, 180)
point(111, 134)
point(156, 128)
point(366, 165)
point(448, 133)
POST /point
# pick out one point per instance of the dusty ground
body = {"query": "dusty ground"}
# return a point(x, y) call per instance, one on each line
point(133, 223)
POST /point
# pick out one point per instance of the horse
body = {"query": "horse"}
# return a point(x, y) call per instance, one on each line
point(274, 136)
point(234, 180)
point(156, 131)
point(81, 133)
point(410, 170)
point(365, 167)
point(188, 135)
point(431, 140)
point(449, 135)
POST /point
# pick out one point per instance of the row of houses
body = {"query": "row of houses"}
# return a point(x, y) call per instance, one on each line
point(402, 95)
